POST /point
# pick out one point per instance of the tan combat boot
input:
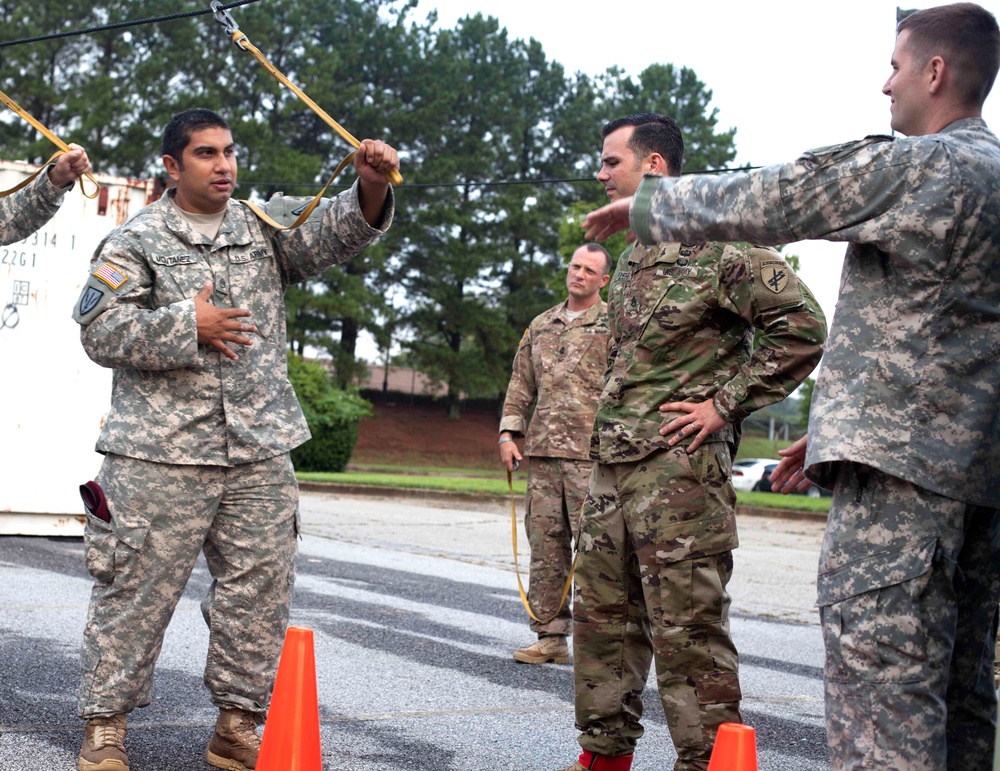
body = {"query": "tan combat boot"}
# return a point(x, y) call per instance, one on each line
point(103, 745)
point(235, 743)
point(546, 650)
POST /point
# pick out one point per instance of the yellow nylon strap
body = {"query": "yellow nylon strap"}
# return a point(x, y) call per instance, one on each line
point(517, 571)
point(63, 148)
point(241, 40)
point(311, 206)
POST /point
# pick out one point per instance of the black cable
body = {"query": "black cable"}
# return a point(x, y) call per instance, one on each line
point(533, 182)
point(122, 24)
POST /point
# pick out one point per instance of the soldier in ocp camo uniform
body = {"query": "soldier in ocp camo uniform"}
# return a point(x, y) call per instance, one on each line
point(558, 369)
point(659, 527)
point(198, 437)
point(905, 421)
point(27, 210)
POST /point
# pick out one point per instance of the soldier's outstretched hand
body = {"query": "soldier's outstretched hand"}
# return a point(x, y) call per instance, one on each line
point(608, 220)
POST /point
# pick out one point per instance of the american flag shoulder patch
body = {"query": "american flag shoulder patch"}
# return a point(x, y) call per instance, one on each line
point(110, 275)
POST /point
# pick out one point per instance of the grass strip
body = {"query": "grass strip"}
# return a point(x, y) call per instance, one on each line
point(496, 486)
point(779, 501)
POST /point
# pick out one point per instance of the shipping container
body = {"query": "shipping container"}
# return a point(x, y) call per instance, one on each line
point(54, 397)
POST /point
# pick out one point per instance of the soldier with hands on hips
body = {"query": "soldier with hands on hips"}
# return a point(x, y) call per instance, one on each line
point(185, 302)
point(558, 370)
point(27, 210)
point(659, 526)
point(905, 419)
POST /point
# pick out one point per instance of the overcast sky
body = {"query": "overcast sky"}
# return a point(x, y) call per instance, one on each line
point(789, 76)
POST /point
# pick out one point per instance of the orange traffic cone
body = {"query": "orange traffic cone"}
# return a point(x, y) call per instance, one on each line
point(291, 734)
point(735, 749)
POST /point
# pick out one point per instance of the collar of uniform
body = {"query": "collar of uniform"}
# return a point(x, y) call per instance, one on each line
point(589, 317)
point(964, 123)
point(233, 232)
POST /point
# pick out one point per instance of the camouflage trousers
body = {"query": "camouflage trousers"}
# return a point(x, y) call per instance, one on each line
point(162, 516)
point(908, 587)
point(557, 488)
point(655, 560)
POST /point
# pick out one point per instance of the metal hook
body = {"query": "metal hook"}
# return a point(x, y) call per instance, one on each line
point(223, 16)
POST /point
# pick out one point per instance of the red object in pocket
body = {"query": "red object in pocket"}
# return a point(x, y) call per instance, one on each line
point(94, 500)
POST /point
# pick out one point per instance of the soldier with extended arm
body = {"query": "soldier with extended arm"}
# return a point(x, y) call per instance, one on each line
point(905, 421)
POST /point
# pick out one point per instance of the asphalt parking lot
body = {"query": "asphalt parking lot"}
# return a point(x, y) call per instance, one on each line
point(415, 612)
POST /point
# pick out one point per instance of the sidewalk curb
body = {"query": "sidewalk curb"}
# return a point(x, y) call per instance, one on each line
point(448, 496)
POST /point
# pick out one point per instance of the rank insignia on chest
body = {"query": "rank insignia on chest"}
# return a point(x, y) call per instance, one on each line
point(774, 275)
point(110, 275)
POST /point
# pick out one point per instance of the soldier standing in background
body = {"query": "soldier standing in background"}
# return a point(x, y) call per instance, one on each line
point(558, 369)
point(659, 527)
point(198, 437)
point(27, 210)
point(905, 420)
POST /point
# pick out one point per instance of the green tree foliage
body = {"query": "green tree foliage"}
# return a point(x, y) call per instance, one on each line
point(332, 415)
point(664, 88)
point(467, 264)
point(804, 401)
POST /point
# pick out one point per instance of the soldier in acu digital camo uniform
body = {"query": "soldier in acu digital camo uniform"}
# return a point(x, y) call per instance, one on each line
point(185, 302)
point(27, 210)
point(659, 527)
point(905, 422)
point(559, 368)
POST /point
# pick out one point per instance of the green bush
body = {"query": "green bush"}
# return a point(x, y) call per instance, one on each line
point(332, 415)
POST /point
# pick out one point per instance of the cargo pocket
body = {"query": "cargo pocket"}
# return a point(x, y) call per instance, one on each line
point(110, 546)
point(718, 688)
point(693, 591)
point(100, 542)
point(872, 616)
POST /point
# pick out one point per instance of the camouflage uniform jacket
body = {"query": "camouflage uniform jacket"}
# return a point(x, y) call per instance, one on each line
point(911, 379)
point(559, 367)
point(682, 320)
point(27, 210)
point(173, 400)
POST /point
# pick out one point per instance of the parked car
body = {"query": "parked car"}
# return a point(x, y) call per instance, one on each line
point(748, 471)
point(764, 485)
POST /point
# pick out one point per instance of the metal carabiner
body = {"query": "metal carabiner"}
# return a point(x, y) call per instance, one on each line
point(226, 19)
point(223, 16)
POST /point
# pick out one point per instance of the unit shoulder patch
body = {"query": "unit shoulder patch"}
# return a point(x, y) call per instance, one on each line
point(773, 274)
point(88, 301)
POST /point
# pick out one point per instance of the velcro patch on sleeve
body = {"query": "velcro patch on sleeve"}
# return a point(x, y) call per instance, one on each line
point(110, 275)
point(775, 284)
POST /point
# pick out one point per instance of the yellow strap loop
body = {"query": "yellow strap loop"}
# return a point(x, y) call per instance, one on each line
point(63, 148)
point(309, 208)
point(517, 571)
point(241, 41)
